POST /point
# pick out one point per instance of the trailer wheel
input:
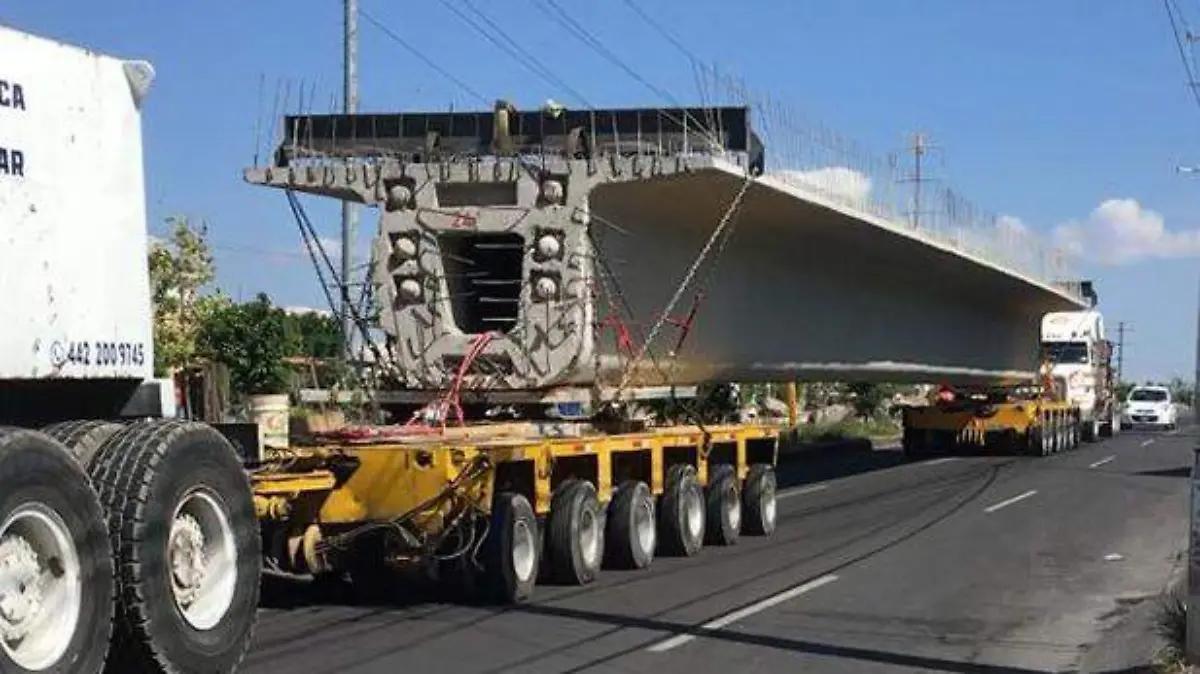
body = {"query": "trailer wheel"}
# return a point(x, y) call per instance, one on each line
point(82, 436)
point(630, 530)
point(912, 442)
point(183, 530)
point(1035, 442)
point(1091, 430)
point(56, 570)
point(758, 500)
point(681, 512)
point(574, 533)
point(511, 550)
point(723, 506)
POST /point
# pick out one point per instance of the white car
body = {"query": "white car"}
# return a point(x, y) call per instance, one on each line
point(1149, 406)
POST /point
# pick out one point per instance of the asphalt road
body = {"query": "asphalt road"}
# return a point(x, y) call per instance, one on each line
point(983, 564)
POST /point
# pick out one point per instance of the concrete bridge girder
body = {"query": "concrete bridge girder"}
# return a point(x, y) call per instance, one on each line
point(804, 288)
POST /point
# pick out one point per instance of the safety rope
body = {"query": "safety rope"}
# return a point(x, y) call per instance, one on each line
point(663, 317)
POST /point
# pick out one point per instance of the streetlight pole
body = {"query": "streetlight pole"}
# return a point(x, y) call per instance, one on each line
point(1196, 374)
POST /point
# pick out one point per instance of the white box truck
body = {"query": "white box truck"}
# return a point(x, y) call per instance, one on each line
point(128, 540)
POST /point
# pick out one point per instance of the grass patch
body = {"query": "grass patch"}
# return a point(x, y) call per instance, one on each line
point(848, 428)
point(1171, 627)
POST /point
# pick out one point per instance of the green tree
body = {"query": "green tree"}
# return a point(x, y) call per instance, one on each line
point(1181, 391)
point(315, 335)
point(868, 397)
point(180, 268)
point(252, 339)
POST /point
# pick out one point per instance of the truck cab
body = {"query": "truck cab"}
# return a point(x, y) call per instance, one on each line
point(1074, 349)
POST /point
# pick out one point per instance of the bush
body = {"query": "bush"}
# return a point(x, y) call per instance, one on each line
point(1171, 627)
point(252, 339)
point(848, 428)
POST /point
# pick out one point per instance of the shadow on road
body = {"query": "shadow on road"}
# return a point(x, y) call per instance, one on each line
point(928, 664)
point(1182, 471)
point(798, 467)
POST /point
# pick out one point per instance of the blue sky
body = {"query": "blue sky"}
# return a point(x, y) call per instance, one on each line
point(1042, 111)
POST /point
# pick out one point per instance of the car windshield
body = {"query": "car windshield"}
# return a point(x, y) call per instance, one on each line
point(1066, 352)
point(1148, 395)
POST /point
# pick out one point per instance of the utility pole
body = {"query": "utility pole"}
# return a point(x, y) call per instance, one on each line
point(1196, 381)
point(1121, 351)
point(919, 147)
point(349, 212)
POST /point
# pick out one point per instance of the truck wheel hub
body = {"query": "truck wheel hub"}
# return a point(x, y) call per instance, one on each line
point(20, 587)
point(187, 558)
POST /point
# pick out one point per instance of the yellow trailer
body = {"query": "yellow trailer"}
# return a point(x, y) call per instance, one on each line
point(1026, 419)
point(500, 505)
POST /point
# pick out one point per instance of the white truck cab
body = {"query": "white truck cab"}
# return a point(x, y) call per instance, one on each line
point(1077, 352)
point(1149, 406)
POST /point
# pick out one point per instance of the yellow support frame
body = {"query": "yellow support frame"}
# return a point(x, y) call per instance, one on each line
point(389, 479)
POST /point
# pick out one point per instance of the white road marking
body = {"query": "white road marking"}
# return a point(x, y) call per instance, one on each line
point(800, 491)
point(730, 618)
point(1103, 461)
point(1003, 504)
point(944, 459)
point(1147, 443)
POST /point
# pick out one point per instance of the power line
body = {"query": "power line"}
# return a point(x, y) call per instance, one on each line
point(1179, 39)
point(513, 48)
point(564, 19)
point(423, 58)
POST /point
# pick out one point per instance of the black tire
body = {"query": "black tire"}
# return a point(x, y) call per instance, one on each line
point(146, 474)
point(631, 536)
point(513, 524)
point(1033, 441)
point(574, 546)
point(39, 476)
point(1090, 431)
point(681, 513)
point(723, 506)
point(914, 444)
point(83, 436)
point(759, 514)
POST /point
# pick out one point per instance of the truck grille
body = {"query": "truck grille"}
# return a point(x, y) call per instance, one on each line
point(484, 274)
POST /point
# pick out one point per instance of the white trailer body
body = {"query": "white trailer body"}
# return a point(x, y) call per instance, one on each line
point(78, 476)
point(76, 296)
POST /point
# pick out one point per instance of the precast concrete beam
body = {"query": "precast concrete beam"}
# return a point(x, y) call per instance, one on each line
point(567, 263)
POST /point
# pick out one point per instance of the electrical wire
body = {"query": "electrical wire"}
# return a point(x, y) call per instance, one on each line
point(418, 54)
point(512, 47)
point(1188, 66)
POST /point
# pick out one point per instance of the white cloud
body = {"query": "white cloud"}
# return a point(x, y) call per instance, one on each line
point(1120, 231)
point(836, 180)
point(307, 310)
point(1011, 226)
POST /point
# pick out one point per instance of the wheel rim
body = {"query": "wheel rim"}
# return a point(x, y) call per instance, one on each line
point(733, 509)
point(523, 549)
point(41, 589)
point(202, 558)
point(589, 537)
point(694, 514)
point(767, 503)
point(643, 526)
